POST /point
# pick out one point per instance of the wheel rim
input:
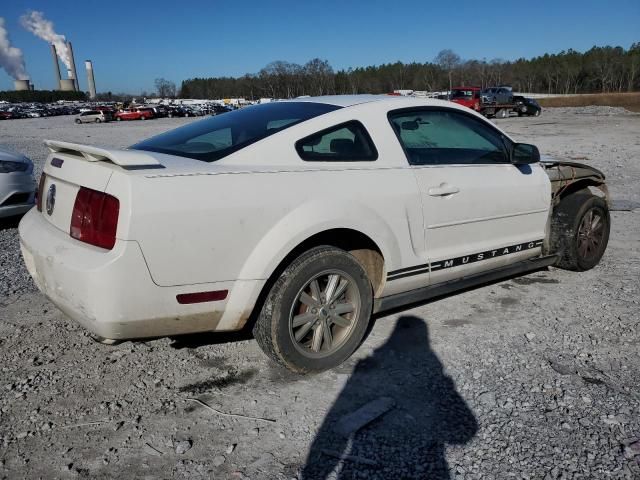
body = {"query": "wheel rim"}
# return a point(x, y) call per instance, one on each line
point(324, 313)
point(590, 234)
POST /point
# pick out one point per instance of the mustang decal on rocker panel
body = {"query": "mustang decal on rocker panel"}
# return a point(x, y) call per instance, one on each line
point(456, 262)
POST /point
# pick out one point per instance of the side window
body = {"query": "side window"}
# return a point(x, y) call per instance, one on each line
point(447, 137)
point(347, 142)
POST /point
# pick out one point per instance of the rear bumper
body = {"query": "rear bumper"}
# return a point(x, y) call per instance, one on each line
point(111, 293)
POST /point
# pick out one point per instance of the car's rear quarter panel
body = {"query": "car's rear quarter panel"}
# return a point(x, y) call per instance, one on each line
point(207, 228)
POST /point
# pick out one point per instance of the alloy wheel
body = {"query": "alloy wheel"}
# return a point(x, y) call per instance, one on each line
point(324, 313)
point(590, 234)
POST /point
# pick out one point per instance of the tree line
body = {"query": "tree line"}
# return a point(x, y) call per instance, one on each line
point(40, 96)
point(600, 69)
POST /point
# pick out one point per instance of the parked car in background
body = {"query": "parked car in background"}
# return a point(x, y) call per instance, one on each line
point(382, 202)
point(149, 112)
point(466, 96)
point(497, 95)
point(17, 186)
point(219, 109)
point(92, 116)
point(159, 111)
point(134, 114)
point(181, 111)
point(527, 106)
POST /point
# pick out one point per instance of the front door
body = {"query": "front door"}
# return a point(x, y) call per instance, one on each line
point(480, 211)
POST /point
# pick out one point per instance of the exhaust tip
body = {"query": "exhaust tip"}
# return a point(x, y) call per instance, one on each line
point(105, 341)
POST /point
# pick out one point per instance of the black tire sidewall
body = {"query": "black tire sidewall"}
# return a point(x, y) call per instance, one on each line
point(567, 219)
point(599, 204)
point(284, 293)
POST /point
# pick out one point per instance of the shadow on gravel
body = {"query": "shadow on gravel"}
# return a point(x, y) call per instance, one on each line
point(196, 340)
point(408, 441)
point(10, 222)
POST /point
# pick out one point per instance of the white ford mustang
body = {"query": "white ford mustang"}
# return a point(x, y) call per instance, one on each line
point(299, 219)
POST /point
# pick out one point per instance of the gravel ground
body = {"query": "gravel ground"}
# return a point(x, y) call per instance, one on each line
point(535, 377)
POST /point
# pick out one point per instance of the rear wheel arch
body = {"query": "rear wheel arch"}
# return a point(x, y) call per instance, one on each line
point(356, 243)
point(359, 245)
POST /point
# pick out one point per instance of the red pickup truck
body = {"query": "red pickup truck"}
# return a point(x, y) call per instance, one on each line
point(134, 114)
point(467, 96)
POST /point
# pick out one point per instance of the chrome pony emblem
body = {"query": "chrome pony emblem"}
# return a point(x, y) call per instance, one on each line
point(51, 199)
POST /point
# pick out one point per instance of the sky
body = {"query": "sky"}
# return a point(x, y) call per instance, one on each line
point(133, 42)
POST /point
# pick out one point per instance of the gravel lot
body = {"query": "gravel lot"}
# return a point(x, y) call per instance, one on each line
point(535, 377)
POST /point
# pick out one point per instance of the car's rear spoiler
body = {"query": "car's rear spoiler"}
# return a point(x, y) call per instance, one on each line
point(124, 158)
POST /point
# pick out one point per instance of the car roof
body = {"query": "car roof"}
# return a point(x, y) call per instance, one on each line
point(353, 100)
point(341, 100)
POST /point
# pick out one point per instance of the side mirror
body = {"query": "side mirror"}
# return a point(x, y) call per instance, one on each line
point(524, 153)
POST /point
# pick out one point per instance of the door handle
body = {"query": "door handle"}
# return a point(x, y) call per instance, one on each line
point(442, 190)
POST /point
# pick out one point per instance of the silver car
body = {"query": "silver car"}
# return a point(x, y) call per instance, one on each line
point(17, 185)
point(92, 116)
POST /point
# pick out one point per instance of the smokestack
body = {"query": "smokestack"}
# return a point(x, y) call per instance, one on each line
point(56, 66)
point(90, 79)
point(21, 85)
point(67, 85)
point(73, 66)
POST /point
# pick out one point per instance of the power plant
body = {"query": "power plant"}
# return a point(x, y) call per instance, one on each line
point(22, 85)
point(91, 81)
point(56, 66)
point(73, 74)
point(70, 84)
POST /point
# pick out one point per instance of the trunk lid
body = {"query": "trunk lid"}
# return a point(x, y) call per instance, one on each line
point(71, 166)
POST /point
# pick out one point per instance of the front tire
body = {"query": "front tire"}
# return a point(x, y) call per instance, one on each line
point(317, 312)
point(580, 231)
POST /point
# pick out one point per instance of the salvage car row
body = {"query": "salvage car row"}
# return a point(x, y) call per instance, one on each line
point(97, 113)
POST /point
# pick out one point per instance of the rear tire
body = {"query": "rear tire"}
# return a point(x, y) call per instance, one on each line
point(78, 121)
point(301, 329)
point(580, 228)
point(118, 119)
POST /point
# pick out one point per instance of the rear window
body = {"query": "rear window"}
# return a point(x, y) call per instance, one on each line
point(216, 137)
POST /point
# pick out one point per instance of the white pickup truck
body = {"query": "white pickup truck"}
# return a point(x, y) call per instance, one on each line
point(300, 219)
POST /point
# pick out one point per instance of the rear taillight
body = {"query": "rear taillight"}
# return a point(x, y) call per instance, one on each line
point(95, 218)
point(40, 190)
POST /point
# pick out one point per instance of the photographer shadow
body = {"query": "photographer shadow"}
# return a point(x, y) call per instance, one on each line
point(409, 441)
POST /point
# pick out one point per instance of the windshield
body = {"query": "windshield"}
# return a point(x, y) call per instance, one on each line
point(461, 94)
point(216, 137)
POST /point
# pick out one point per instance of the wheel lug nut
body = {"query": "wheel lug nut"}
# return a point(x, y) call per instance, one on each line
point(314, 310)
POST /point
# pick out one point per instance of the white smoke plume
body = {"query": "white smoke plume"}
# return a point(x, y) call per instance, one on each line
point(43, 28)
point(11, 57)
